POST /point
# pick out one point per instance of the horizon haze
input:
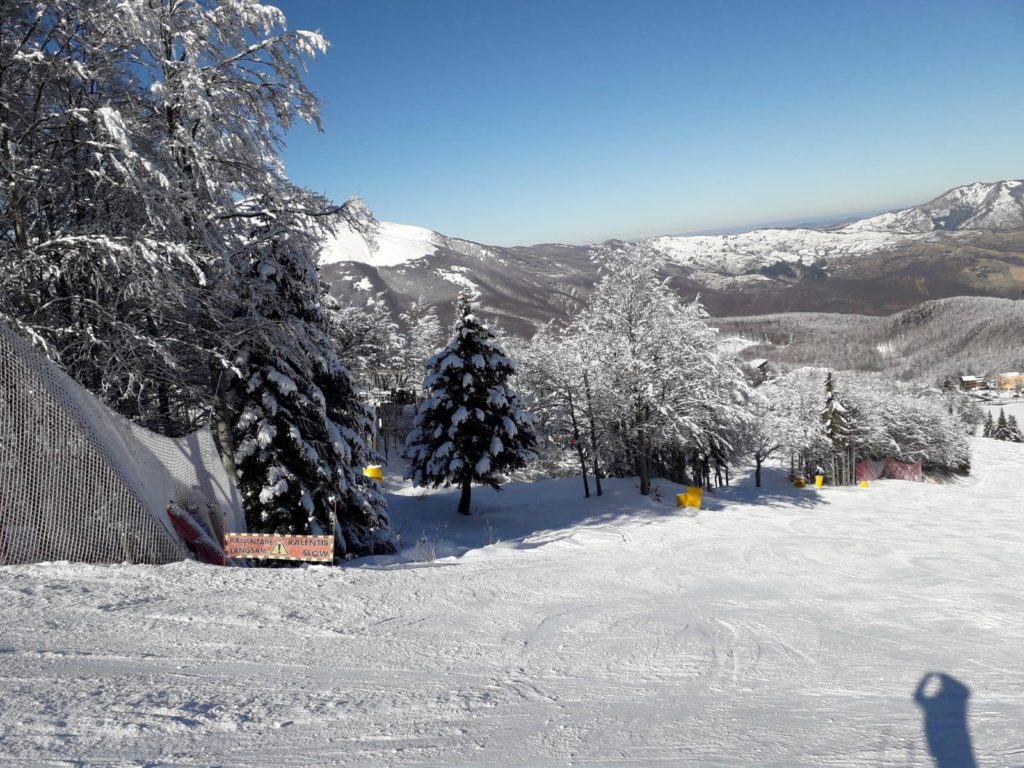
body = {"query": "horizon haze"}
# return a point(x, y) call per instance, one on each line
point(579, 121)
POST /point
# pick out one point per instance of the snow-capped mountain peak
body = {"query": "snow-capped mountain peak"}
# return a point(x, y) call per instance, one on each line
point(391, 245)
point(997, 206)
point(966, 241)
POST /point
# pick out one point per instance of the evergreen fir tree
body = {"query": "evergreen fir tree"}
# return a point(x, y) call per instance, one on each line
point(298, 429)
point(1002, 429)
point(834, 416)
point(471, 428)
point(989, 427)
point(1013, 429)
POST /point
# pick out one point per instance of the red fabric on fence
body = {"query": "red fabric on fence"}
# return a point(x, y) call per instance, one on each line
point(888, 469)
point(869, 469)
point(198, 540)
point(897, 470)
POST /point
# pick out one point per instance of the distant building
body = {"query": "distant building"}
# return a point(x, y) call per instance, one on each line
point(1009, 380)
point(969, 383)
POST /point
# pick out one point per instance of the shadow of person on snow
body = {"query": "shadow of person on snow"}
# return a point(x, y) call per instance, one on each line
point(944, 701)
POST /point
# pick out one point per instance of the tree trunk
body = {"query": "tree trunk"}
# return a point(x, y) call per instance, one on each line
point(467, 489)
point(579, 447)
point(593, 434)
point(643, 466)
point(222, 422)
point(757, 470)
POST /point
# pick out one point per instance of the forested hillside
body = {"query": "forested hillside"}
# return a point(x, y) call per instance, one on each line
point(934, 340)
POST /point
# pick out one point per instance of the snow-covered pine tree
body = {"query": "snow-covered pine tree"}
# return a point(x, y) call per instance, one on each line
point(833, 416)
point(1013, 429)
point(299, 429)
point(471, 428)
point(989, 427)
point(1002, 428)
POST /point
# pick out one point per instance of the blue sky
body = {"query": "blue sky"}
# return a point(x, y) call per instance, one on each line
point(529, 121)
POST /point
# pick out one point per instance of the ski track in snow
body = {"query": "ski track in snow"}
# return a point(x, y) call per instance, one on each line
point(788, 628)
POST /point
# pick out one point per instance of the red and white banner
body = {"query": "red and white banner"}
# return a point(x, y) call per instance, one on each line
point(273, 546)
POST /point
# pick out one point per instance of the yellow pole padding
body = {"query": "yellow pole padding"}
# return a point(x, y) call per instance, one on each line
point(863, 483)
point(799, 482)
point(819, 480)
point(374, 472)
point(694, 495)
point(692, 498)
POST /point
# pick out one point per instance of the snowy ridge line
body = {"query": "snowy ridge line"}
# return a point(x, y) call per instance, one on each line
point(997, 206)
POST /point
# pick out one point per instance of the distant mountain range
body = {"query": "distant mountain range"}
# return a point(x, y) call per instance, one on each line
point(968, 241)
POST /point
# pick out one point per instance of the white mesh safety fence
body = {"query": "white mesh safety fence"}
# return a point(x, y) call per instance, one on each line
point(79, 482)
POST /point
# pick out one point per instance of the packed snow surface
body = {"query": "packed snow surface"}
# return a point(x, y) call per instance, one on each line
point(771, 628)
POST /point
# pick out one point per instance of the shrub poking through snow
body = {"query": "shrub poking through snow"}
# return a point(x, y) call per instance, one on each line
point(471, 428)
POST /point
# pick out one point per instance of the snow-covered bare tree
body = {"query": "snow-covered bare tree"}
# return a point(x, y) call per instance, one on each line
point(89, 266)
point(471, 428)
point(139, 172)
point(893, 420)
point(552, 372)
point(136, 136)
point(423, 338)
point(799, 396)
point(773, 428)
point(674, 384)
point(368, 340)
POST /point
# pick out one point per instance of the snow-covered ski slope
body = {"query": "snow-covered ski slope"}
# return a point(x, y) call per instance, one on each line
point(780, 628)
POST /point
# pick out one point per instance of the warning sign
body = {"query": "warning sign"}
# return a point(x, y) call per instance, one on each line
point(279, 550)
point(274, 546)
